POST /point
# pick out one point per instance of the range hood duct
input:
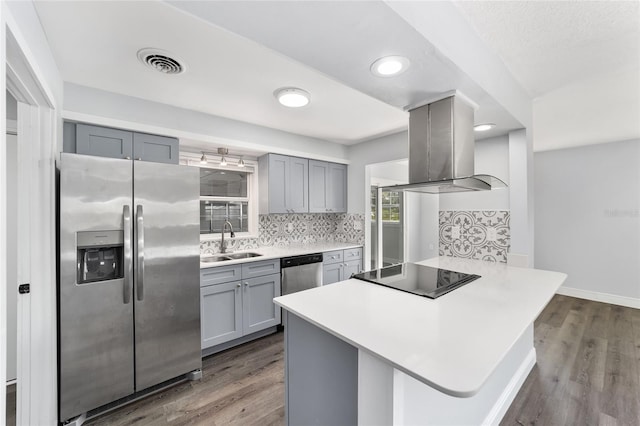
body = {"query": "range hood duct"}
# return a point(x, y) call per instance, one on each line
point(441, 149)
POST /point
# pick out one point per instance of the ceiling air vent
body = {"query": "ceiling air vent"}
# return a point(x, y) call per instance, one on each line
point(161, 61)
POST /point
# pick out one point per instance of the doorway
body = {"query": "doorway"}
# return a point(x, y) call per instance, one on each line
point(387, 214)
point(27, 202)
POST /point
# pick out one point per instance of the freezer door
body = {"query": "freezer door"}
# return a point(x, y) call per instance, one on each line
point(95, 297)
point(167, 271)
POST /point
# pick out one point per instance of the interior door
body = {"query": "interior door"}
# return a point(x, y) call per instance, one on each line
point(96, 327)
point(167, 271)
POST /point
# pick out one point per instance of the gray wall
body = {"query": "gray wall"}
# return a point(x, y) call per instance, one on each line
point(12, 107)
point(587, 216)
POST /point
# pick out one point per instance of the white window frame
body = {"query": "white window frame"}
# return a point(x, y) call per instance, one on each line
point(251, 166)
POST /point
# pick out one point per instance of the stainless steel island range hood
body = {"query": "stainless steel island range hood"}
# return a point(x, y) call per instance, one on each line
point(441, 149)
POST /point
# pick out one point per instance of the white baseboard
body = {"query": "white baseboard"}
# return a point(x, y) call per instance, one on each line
point(613, 299)
point(511, 390)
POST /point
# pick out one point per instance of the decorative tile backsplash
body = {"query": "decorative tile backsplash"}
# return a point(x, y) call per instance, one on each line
point(284, 229)
point(482, 235)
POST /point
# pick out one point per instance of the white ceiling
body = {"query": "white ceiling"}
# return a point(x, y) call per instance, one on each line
point(238, 53)
point(95, 44)
point(580, 60)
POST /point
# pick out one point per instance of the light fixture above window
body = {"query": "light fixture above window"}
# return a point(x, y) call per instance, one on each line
point(292, 97)
point(224, 156)
point(484, 127)
point(389, 66)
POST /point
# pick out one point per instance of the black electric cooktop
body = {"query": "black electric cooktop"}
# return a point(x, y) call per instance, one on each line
point(418, 279)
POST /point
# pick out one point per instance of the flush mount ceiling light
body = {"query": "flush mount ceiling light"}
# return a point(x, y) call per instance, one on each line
point(292, 97)
point(161, 61)
point(484, 127)
point(389, 66)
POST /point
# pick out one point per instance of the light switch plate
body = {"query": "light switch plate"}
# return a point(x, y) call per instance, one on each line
point(357, 226)
point(455, 232)
point(290, 227)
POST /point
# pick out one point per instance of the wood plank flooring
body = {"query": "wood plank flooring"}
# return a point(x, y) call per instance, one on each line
point(241, 386)
point(588, 373)
point(588, 369)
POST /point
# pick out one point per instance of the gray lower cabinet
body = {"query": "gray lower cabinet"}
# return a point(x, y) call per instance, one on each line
point(258, 310)
point(339, 265)
point(115, 143)
point(220, 313)
point(237, 300)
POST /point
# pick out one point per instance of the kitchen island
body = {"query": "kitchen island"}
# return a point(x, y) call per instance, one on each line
point(361, 353)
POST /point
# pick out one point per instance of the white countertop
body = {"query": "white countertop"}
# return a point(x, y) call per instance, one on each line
point(452, 343)
point(278, 252)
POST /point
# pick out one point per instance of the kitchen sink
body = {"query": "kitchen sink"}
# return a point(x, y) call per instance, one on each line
point(212, 259)
point(229, 256)
point(242, 255)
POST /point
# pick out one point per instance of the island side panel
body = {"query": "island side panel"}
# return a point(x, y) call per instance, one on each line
point(321, 376)
point(417, 403)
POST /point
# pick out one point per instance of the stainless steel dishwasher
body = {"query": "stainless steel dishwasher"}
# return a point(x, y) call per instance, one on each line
point(301, 272)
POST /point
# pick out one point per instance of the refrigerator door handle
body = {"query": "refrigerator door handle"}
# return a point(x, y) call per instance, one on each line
point(140, 253)
point(128, 269)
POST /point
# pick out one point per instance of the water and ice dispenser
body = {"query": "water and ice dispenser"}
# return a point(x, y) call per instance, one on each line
point(100, 256)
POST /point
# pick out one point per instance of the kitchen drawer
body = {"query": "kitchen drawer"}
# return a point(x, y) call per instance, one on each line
point(258, 269)
point(352, 254)
point(331, 257)
point(220, 274)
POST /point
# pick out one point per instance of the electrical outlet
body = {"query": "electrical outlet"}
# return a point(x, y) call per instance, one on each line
point(430, 246)
point(290, 227)
point(455, 232)
point(492, 234)
point(357, 226)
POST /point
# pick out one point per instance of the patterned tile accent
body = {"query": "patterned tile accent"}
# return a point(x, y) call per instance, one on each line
point(483, 235)
point(283, 229)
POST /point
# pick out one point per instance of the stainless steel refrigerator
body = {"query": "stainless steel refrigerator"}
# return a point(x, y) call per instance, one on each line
point(129, 308)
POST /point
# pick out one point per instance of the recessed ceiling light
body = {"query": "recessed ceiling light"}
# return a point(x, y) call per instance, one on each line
point(389, 66)
point(484, 127)
point(292, 97)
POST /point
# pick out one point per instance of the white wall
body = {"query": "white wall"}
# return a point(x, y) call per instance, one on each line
point(387, 148)
point(100, 107)
point(587, 218)
point(12, 107)
point(492, 158)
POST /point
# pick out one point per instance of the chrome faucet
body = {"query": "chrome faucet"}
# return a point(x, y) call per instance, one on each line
point(223, 249)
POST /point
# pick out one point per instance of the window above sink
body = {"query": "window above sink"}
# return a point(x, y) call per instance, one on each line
point(226, 193)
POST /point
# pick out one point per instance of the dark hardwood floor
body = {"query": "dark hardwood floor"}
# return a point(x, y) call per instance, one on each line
point(588, 373)
point(588, 369)
point(241, 386)
point(11, 405)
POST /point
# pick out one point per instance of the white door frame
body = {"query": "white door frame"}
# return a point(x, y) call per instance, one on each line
point(38, 129)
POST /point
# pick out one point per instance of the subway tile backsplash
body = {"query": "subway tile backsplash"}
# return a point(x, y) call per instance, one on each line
point(305, 228)
point(475, 234)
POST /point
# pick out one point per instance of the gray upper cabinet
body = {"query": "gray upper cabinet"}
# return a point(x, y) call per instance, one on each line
point(107, 142)
point(103, 141)
point(157, 149)
point(327, 187)
point(283, 184)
